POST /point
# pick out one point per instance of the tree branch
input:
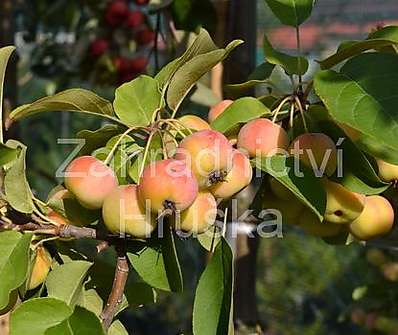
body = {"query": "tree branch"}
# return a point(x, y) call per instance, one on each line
point(119, 282)
point(66, 231)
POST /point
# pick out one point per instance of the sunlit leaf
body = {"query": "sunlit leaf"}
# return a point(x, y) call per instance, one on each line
point(291, 64)
point(72, 100)
point(137, 101)
point(364, 95)
point(18, 192)
point(14, 261)
point(291, 12)
point(213, 297)
point(35, 316)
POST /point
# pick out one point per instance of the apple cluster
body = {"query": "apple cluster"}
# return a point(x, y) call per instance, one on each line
point(365, 217)
point(123, 25)
point(206, 167)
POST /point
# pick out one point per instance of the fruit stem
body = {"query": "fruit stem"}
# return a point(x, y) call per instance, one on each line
point(148, 144)
point(300, 107)
point(171, 122)
point(224, 229)
point(291, 115)
point(43, 217)
point(119, 283)
point(119, 140)
point(160, 106)
point(164, 151)
point(45, 240)
point(276, 111)
point(42, 203)
point(213, 238)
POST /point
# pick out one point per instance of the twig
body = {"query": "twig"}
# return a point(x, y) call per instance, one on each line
point(66, 231)
point(300, 87)
point(119, 283)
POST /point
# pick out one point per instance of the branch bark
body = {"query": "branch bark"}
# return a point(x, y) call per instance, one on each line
point(119, 283)
point(65, 231)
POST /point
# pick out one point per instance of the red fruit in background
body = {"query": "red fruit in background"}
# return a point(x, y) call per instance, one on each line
point(117, 13)
point(141, 2)
point(122, 64)
point(128, 69)
point(144, 37)
point(139, 64)
point(135, 19)
point(98, 47)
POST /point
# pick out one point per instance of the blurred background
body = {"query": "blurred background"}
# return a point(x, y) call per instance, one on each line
point(295, 285)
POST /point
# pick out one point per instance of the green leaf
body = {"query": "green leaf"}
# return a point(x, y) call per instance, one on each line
point(377, 149)
point(97, 138)
point(81, 322)
point(240, 111)
point(189, 73)
point(71, 275)
point(14, 262)
point(297, 178)
point(84, 322)
point(138, 294)
point(384, 39)
point(155, 153)
point(354, 49)
point(209, 239)
point(201, 45)
point(62, 329)
point(387, 33)
point(364, 95)
point(72, 100)
point(291, 12)
point(121, 159)
point(125, 142)
point(7, 154)
point(5, 54)
point(213, 298)
point(269, 101)
point(117, 328)
point(291, 64)
point(127, 150)
point(35, 316)
point(157, 263)
point(260, 75)
point(137, 101)
point(171, 262)
point(18, 193)
point(91, 301)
